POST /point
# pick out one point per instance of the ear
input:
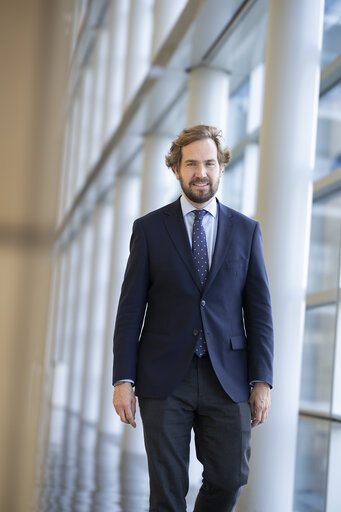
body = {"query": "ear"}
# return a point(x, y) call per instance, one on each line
point(176, 172)
point(222, 167)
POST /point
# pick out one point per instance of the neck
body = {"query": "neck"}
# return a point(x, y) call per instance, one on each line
point(199, 206)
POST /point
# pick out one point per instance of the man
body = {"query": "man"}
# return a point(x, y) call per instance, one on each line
point(194, 333)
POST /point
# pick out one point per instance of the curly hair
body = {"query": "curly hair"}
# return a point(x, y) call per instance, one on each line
point(189, 135)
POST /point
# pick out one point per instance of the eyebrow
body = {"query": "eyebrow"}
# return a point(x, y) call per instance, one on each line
point(190, 160)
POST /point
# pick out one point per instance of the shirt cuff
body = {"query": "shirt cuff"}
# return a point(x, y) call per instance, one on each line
point(253, 382)
point(118, 382)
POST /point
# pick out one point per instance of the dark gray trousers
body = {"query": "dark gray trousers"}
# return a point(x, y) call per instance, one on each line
point(222, 430)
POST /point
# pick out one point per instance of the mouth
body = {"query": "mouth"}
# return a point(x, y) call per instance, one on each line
point(200, 185)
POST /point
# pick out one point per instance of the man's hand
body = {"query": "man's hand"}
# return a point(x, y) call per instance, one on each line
point(260, 401)
point(124, 401)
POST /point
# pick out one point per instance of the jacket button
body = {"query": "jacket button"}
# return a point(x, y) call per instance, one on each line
point(195, 332)
point(203, 303)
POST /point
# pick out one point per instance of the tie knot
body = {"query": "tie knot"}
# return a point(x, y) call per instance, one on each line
point(199, 214)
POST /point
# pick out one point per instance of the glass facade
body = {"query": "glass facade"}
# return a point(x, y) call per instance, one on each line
point(238, 113)
point(317, 360)
point(325, 239)
point(318, 445)
point(331, 32)
point(311, 465)
point(328, 154)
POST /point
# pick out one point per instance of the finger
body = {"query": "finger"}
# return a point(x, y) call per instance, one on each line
point(120, 411)
point(254, 412)
point(127, 418)
point(260, 416)
point(133, 406)
point(130, 417)
point(256, 416)
point(265, 414)
point(122, 416)
point(255, 422)
point(126, 414)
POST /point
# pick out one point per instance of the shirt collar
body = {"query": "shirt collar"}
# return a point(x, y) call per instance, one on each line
point(187, 207)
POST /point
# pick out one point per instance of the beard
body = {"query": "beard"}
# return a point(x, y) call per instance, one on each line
point(197, 195)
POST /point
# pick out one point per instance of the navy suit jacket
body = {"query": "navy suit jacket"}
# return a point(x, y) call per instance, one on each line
point(163, 306)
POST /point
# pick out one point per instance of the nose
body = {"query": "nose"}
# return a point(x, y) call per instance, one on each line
point(201, 170)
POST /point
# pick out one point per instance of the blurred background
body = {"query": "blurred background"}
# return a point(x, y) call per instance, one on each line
point(92, 94)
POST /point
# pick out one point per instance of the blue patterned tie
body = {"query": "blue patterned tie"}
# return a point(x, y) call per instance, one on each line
point(200, 258)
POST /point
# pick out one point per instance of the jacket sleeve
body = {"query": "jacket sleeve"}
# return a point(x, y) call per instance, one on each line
point(131, 307)
point(257, 315)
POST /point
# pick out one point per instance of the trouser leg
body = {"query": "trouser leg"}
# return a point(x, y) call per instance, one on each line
point(223, 438)
point(167, 428)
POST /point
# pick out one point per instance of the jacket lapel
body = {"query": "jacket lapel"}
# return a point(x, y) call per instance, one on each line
point(176, 228)
point(223, 241)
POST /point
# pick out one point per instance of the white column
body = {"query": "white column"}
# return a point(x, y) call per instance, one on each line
point(118, 28)
point(64, 325)
point(287, 152)
point(71, 173)
point(126, 206)
point(79, 321)
point(159, 185)
point(89, 109)
point(64, 170)
point(52, 357)
point(165, 15)
point(251, 156)
point(74, 169)
point(78, 169)
point(94, 338)
point(139, 46)
point(207, 103)
point(208, 91)
point(88, 76)
point(101, 58)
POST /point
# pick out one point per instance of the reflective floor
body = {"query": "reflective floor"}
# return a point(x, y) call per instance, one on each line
point(88, 472)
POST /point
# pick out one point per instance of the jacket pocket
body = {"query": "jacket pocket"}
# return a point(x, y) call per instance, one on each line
point(238, 342)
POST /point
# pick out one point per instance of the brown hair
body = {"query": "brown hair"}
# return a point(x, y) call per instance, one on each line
point(189, 135)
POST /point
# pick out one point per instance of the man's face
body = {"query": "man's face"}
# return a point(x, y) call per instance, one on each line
point(199, 173)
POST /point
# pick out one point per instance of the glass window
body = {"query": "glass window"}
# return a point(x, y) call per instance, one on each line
point(64, 172)
point(239, 182)
point(232, 185)
point(325, 244)
point(70, 300)
point(317, 361)
point(237, 114)
point(328, 142)
point(334, 488)
point(85, 124)
point(100, 73)
point(331, 31)
point(336, 401)
point(311, 465)
point(73, 155)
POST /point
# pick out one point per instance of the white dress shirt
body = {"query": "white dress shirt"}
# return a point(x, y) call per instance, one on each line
point(209, 223)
